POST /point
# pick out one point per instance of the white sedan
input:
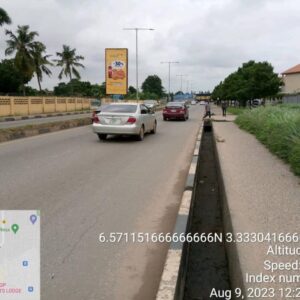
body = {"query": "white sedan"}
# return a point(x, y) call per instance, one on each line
point(124, 119)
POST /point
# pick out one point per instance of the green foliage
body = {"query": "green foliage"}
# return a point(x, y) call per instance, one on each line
point(251, 81)
point(10, 77)
point(22, 44)
point(40, 62)
point(4, 17)
point(78, 88)
point(69, 62)
point(153, 85)
point(131, 90)
point(236, 110)
point(149, 96)
point(277, 127)
point(179, 93)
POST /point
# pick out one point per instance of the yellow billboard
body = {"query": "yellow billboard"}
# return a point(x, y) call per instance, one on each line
point(116, 71)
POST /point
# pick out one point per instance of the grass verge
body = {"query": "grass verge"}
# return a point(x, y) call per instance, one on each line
point(236, 110)
point(277, 127)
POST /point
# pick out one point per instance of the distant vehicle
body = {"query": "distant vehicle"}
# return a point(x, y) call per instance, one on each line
point(124, 119)
point(202, 102)
point(151, 103)
point(193, 102)
point(95, 103)
point(175, 111)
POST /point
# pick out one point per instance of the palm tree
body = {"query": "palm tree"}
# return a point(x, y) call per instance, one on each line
point(23, 44)
point(68, 60)
point(4, 17)
point(40, 62)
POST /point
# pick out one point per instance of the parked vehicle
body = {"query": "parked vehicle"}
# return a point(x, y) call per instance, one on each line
point(124, 119)
point(193, 102)
point(175, 111)
point(256, 102)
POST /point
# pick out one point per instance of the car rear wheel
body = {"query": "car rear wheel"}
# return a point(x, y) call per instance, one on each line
point(140, 137)
point(165, 119)
point(102, 137)
point(153, 131)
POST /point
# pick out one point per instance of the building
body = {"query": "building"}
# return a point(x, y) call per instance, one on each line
point(291, 79)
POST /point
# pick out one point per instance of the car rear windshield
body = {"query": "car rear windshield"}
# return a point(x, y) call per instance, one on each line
point(174, 105)
point(130, 108)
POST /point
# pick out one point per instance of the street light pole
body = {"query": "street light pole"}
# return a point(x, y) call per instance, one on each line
point(181, 75)
point(137, 57)
point(170, 62)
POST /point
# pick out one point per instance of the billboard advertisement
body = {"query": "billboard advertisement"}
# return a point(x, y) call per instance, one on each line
point(116, 71)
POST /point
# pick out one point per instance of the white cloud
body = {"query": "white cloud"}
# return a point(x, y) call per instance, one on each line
point(210, 38)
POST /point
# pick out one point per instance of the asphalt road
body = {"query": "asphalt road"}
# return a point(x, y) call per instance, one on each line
point(84, 187)
point(18, 123)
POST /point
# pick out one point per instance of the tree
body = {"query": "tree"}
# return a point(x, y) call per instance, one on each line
point(4, 17)
point(10, 77)
point(131, 90)
point(251, 81)
point(78, 88)
point(179, 93)
point(152, 84)
point(40, 62)
point(68, 60)
point(22, 43)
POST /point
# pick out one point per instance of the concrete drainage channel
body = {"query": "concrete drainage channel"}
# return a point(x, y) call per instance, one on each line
point(194, 269)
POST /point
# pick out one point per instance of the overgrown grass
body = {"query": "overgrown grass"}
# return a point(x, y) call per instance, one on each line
point(236, 110)
point(277, 127)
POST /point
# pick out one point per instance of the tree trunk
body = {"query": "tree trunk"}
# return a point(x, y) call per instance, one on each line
point(23, 89)
point(71, 83)
point(39, 82)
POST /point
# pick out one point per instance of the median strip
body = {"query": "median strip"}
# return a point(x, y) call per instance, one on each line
point(8, 134)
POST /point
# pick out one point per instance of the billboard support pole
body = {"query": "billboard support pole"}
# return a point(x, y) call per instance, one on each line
point(137, 65)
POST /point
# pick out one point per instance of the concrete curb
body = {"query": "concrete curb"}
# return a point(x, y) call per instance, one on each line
point(173, 277)
point(18, 118)
point(32, 130)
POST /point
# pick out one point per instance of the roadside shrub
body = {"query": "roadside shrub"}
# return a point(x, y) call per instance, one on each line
point(294, 158)
point(277, 127)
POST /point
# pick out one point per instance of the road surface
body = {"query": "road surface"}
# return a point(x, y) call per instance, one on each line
point(84, 187)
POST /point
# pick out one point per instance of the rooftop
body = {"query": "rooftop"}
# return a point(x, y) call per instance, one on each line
point(293, 70)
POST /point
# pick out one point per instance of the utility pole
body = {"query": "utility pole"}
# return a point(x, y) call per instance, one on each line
point(181, 75)
point(169, 63)
point(137, 57)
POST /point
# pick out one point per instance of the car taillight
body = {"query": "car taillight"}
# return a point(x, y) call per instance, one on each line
point(131, 120)
point(96, 119)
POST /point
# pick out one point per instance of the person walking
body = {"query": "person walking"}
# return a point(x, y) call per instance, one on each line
point(207, 110)
point(224, 107)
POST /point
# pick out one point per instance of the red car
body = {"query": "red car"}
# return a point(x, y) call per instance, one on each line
point(175, 111)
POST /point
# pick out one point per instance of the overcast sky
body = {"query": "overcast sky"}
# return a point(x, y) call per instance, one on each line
point(210, 38)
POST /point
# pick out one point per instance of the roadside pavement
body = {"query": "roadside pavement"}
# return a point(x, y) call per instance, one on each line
point(262, 198)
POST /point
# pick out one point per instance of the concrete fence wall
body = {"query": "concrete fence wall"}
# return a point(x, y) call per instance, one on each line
point(291, 99)
point(23, 106)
